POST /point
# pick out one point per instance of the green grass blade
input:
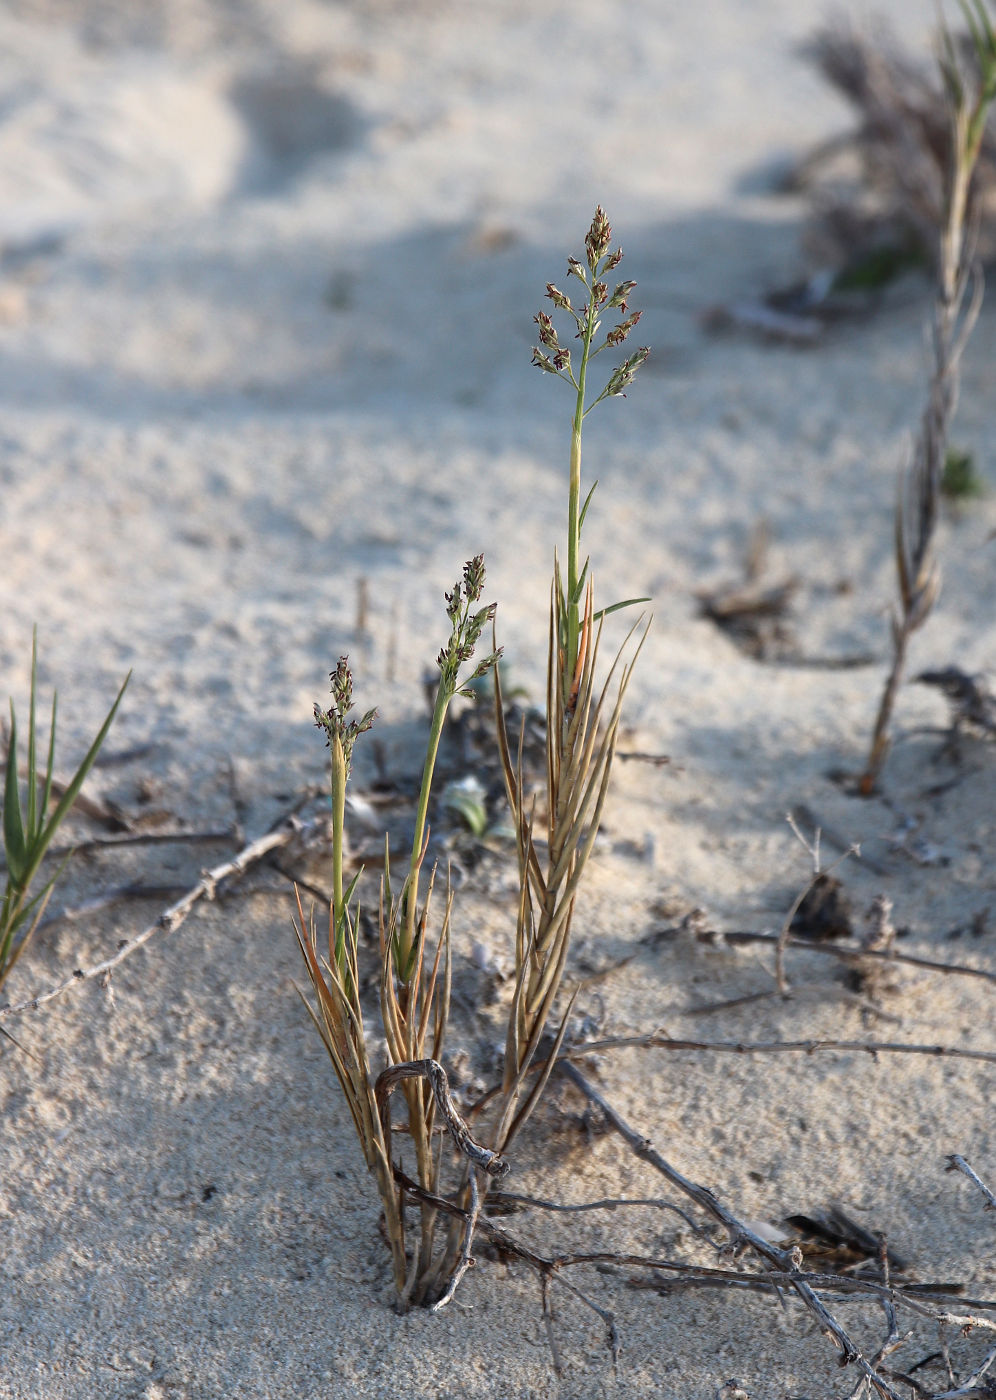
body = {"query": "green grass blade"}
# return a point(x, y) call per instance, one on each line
point(32, 813)
point(584, 508)
point(13, 825)
point(973, 29)
point(578, 593)
point(43, 837)
point(615, 607)
point(351, 887)
point(50, 762)
point(10, 950)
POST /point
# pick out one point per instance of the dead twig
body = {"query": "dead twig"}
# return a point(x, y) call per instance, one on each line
point(499, 1200)
point(660, 1040)
point(430, 1070)
point(958, 1164)
point(786, 1262)
point(974, 1388)
point(893, 1341)
point(286, 830)
point(735, 936)
point(917, 1297)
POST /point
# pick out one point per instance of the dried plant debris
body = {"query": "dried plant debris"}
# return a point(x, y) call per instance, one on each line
point(753, 613)
point(800, 312)
point(973, 705)
point(879, 192)
point(873, 977)
point(968, 76)
point(841, 1245)
point(825, 911)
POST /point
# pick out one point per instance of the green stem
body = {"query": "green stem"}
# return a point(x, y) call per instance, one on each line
point(405, 957)
point(574, 505)
point(338, 826)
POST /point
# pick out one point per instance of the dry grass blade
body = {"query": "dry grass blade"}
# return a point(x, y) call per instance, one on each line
point(339, 1022)
point(580, 747)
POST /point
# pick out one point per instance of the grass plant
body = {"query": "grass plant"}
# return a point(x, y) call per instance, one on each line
point(29, 826)
point(970, 94)
point(582, 723)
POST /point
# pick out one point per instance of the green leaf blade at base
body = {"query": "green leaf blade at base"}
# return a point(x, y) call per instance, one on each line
point(13, 826)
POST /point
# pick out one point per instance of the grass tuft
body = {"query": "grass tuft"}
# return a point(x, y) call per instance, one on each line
point(582, 725)
point(29, 826)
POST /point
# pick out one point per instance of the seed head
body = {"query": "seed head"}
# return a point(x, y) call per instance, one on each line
point(473, 577)
point(598, 237)
point(623, 377)
point(576, 269)
point(547, 334)
point(613, 261)
point(619, 333)
point(557, 297)
point(620, 297)
point(483, 667)
point(339, 730)
point(542, 361)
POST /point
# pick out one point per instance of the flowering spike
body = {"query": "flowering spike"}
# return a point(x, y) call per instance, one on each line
point(473, 577)
point(598, 237)
point(620, 296)
point(618, 335)
point(623, 377)
point(339, 730)
point(562, 302)
point(547, 334)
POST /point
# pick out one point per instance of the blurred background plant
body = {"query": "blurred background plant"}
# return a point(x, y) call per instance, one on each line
point(969, 77)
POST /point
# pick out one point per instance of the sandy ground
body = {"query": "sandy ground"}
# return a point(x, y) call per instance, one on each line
point(267, 275)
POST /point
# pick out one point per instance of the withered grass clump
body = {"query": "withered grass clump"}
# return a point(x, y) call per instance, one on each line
point(970, 93)
point(884, 211)
point(582, 723)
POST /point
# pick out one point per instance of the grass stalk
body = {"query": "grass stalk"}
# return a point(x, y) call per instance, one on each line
point(414, 995)
point(582, 720)
point(957, 305)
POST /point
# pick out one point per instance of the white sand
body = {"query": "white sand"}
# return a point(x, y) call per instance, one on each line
point(265, 317)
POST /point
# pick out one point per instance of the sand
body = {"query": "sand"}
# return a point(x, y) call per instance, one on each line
point(267, 276)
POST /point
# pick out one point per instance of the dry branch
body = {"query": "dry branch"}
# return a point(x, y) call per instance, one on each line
point(787, 1263)
point(850, 955)
point(660, 1040)
point(958, 1164)
point(287, 829)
